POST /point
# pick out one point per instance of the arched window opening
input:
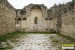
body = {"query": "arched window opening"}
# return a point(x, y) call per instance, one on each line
point(18, 20)
point(35, 20)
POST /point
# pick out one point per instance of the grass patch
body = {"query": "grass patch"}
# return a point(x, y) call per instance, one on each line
point(71, 39)
point(6, 48)
point(15, 35)
point(51, 37)
point(38, 32)
point(56, 41)
point(9, 36)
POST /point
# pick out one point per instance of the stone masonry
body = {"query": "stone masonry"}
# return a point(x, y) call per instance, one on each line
point(65, 17)
point(26, 18)
point(7, 17)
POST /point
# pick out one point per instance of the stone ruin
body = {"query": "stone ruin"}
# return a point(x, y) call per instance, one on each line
point(38, 18)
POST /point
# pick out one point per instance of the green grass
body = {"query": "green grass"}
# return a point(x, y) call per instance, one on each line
point(55, 40)
point(6, 48)
point(71, 39)
point(40, 32)
point(9, 36)
point(15, 35)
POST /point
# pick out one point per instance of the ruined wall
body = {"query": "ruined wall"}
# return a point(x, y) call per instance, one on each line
point(7, 17)
point(68, 20)
point(52, 19)
point(59, 18)
point(28, 15)
point(64, 15)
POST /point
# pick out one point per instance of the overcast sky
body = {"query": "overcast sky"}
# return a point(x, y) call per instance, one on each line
point(19, 4)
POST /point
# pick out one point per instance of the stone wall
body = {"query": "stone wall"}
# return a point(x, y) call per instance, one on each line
point(68, 20)
point(28, 15)
point(64, 15)
point(7, 17)
point(52, 19)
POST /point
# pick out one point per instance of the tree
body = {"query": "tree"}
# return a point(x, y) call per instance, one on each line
point(73, 0)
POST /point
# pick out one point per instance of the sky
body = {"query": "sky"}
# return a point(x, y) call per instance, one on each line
point(19, 4)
